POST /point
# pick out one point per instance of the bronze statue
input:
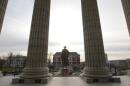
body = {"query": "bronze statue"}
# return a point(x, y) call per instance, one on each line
point(64, 57)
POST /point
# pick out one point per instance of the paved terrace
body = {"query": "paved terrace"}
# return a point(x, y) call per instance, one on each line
point(66, 81)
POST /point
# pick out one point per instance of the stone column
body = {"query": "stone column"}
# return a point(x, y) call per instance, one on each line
point(3, 5)
point(94, 50)
point(36, 64)
point(126, 7)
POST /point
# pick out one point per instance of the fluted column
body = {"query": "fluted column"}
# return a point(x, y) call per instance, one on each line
point(3, 5)
point(94, 50)
point(36, 65)
point(126, 7)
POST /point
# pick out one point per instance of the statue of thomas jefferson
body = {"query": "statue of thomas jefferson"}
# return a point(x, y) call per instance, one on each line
point(64, 57)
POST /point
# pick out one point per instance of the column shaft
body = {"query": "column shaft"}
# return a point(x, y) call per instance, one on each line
point(3, 5)
point(94, 49)
point(36, 65)
point(126, 7)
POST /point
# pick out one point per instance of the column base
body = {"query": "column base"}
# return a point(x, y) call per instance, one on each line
point(96, 72)
point(33, 75)
point(100, 79)
point(30, 81)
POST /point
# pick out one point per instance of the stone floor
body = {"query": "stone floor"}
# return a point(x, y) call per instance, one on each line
point(66, 81)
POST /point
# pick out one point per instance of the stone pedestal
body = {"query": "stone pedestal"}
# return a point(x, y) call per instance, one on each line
point(30, 81)
point(101, 80)
point(95, 60)
point(65, 72)
point(3, 5)
point(128, 72)
point(36, 70)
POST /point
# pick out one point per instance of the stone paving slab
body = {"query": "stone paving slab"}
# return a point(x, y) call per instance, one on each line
point(65, 81)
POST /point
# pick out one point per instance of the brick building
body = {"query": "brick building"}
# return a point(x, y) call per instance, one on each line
point(74, 60)
point(15, 63)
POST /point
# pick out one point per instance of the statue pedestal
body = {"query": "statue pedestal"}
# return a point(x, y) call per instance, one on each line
point(65, 71)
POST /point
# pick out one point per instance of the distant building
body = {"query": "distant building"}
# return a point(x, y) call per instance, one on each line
point(118, 67)
point(121, 64)
point(74, 60)
point(128, 63)
point(17, 63)
point(2, 62)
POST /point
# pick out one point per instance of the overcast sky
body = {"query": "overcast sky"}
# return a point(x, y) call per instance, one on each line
point(65, 27)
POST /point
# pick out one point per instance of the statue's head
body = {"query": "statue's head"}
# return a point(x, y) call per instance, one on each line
point(64, 47)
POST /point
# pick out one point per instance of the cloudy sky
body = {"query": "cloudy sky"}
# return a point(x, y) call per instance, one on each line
point(65, 27)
